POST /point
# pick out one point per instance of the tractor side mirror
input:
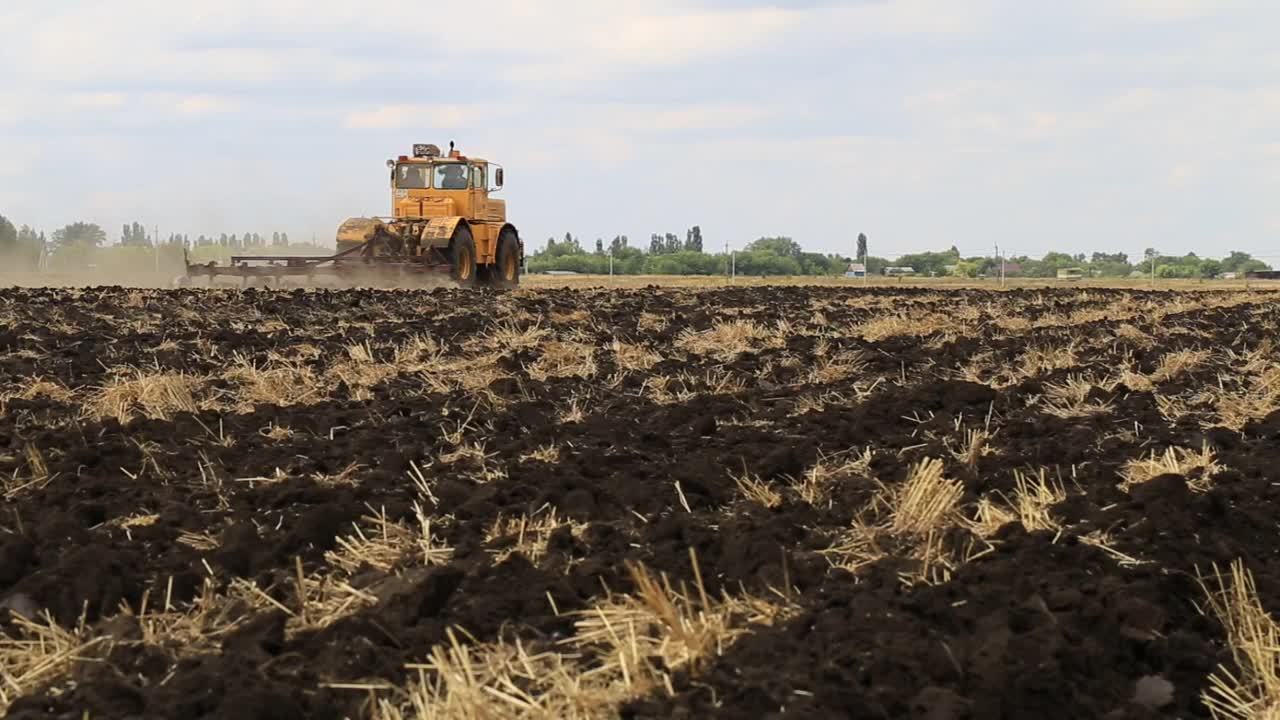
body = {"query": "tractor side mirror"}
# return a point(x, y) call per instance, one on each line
point(497, 177)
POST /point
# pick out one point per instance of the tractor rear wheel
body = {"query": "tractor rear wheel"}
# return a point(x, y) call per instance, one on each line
point(505, 272)
point(462, 257)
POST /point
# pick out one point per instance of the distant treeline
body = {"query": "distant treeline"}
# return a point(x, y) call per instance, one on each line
point(136, 235)
point(667, 254)
point(82, 245)
point(1113, 265)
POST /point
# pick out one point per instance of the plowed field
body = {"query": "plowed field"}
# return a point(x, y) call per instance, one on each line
point(652, 503)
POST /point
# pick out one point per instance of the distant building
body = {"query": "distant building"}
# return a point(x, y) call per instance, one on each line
point(856, 270)
point(899, 271)
point(1070, 273)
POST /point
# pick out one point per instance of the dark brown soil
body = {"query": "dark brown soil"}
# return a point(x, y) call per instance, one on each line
point(1042, 626)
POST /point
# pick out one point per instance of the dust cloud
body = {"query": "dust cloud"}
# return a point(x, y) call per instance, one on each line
point(153, 280)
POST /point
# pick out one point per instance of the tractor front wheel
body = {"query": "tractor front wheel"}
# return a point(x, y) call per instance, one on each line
point(462, 257)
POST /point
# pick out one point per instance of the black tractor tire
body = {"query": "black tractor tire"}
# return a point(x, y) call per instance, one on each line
point(462, 257)
point(505, 272)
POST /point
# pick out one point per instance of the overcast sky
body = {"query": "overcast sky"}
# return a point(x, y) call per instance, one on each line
point(1086, 125)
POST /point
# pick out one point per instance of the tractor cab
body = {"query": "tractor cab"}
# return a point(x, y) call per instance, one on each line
point(430, 185)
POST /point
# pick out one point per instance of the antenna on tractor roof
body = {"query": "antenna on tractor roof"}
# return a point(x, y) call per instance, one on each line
point(450, 147)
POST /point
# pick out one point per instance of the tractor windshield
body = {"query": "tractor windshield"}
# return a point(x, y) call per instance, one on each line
point(413, 176)
point(451, 176)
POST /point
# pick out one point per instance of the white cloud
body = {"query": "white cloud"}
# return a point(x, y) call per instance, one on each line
point(675, 39)
point(425, 115)
point(649, 118)
point(1163, 10)
point(204, 105)
point(96, 100)
point(1182, 174)
point(19, 159)
point(718, 116)
point(912, 17)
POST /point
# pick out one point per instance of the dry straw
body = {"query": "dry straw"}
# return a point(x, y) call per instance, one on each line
point(37, 652)
point(1174, 461)
point(1252, 690)
point(625, 647)
point(156, 395)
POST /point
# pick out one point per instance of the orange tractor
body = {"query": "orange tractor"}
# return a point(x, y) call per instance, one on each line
point(444, 220)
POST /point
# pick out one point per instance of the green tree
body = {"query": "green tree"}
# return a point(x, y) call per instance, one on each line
point(20, 248)
point(683, 263)
point(28, 238)
point(8, 237)
point(75, 245)
point(1242, 262)
point(1049, 265)
point(570, 246)
point(1110, 264)
point(78, 235)
point(876, 265)
point(563, 249)
point(929, 263)
point(782, 246)
point(628, 260)
point(1101, 258)
point(693, 239)
point(820, 264)
point(766, 262)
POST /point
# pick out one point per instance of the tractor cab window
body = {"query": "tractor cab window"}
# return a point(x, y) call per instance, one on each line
point(477, 178)
point(451, 176)
point(412, 177)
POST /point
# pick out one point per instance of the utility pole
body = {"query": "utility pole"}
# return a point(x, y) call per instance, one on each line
point(156, 247)
point(866, 269)
point(610, 264)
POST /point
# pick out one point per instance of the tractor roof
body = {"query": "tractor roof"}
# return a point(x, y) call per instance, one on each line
point(427, 152)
